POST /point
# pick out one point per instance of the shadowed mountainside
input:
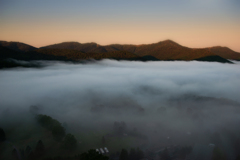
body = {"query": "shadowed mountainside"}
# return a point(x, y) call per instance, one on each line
point(86, 47)
point(169, 50)
point(17, 46)
point(213, 59)
point(225, 52)
point(6, 53)
point(8, 58)
point(164, 50)
point(78, 55)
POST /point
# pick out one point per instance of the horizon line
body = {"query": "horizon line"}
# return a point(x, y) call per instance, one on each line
point(122, 44)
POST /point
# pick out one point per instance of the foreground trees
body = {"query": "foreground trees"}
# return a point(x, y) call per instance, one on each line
point(123, 155)
point(2, 135)
point(165, 155)
point(58, 131)
point(218, 154)
point(92, 155)
point(132, 155)
point(69, 142)
point(40, 149)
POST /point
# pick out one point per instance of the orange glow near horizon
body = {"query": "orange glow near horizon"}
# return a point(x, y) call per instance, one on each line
point(193, 37)
point(192, 24)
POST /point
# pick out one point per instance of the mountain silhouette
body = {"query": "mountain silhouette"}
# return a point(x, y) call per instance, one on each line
point(225, 52)
point(17, 46)
point(164, 50)
point(78, 55)
point(85, 47)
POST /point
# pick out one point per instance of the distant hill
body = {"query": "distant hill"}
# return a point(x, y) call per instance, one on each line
point(164, 50)
point(67, 55)
point(6, 53)
point(214, 59)
point(17, 46)
point(74, 51)
point(225, 52)
point(8, 58)
point(169, 50)
point(119, 47)
point(85, 48)
point(78, 55)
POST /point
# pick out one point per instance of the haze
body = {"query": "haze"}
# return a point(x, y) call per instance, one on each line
point(159, 99)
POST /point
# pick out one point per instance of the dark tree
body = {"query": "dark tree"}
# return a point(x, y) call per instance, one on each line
point(123, 155)
point(44, 120)
point(31, 156)
point(218, 154)
point(28, 150)
point(184, 151)
point(236, 144)
point(15, 154)
point(139, 154)
point(92, 155)
point(165, 154)
point(132, 154)
point(58, 132)
point(40, 149)
point(22, 153)
point(238, 157)
point(70, 142)
point(2, 135)
point(29, 153)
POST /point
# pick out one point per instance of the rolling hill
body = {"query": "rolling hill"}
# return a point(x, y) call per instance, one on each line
point(74, 51)
point(8, 58)
point(17, 46)
point(164, 50)
point(225, 52)
point(169, 50)
point(78, 55)
point(6, 53)
point(85, 47)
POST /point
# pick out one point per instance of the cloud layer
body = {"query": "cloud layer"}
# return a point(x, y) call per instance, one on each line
point(166, 97)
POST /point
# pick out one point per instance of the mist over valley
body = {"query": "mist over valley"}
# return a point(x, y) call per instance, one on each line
point(145, 105)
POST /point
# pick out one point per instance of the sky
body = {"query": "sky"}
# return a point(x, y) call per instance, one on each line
point(191, 23)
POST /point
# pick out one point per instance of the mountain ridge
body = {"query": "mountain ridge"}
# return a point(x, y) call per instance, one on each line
point(17, 46)
point(162, 50)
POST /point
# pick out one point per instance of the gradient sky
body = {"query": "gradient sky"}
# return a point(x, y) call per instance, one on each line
point(192, 23)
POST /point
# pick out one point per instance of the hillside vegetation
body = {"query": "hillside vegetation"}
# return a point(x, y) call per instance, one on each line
point(78, 55)
point(74, 51)
point(164, 50)
point(17, 46)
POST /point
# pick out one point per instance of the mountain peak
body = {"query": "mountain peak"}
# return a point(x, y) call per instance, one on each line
point(169, 42)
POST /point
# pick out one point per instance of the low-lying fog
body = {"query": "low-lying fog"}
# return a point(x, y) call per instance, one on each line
point(159, 99)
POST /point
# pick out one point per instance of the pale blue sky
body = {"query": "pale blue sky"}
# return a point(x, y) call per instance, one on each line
point(121, 20)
